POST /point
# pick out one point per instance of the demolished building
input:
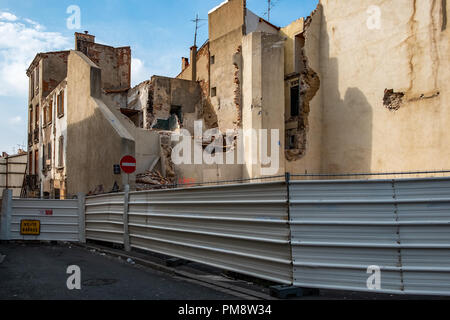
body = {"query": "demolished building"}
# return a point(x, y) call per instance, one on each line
point(345, 99)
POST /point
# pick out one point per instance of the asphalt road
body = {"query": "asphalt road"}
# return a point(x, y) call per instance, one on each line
point(39, 272)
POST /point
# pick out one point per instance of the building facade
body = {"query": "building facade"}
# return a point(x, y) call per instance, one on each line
point(341, 99)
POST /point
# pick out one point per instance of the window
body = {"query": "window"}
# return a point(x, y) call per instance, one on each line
point(45, 116)
point(36, 162)
point(36, 118)
point(61, 152)
point(50, 112)
point(36, 80)
point(32, 85)
point(61, 104)
point(49, 153)
point(43, 157)
point(30, 163)
point(31, 118)
point(295, 101)
point(213, 59)
point(214, 92)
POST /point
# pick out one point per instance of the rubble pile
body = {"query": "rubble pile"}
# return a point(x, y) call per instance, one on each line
point(152, 180)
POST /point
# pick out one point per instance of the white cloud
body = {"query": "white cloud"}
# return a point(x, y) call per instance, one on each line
point(139, 71)
point(8, 16)
point(36, 25)
point(20, 41)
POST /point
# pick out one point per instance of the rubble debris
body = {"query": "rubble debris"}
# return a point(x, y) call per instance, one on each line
point(152, 179)
point(393, 100)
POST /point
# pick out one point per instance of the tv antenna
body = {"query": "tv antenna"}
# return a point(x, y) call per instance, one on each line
point(197, 20)
point(270, 5)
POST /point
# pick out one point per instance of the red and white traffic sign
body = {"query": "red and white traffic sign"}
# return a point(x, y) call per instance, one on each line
point(128, 164)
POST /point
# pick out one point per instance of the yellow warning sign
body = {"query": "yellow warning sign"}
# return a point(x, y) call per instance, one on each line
point(30, 227)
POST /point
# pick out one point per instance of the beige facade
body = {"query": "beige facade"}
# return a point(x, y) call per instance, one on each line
point(384, 93)
point(365, 85)
point(360, 88)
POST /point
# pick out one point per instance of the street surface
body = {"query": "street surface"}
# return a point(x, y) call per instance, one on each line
point(39, 272)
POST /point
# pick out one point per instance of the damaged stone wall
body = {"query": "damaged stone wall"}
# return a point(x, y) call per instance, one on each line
point(54, 70)
point(308, 82)
point(166, 102)
point(237, 61)
point(114, 62)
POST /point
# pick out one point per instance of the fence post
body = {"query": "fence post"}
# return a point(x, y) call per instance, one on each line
point(126, 234)
point(82, 217)
point(6, 212)
point(288, 209)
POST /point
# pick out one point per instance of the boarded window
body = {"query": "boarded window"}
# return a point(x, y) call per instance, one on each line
point(295, 101)
point(43, 157)
point(30, 163)
point(61, 152)
point(49, 153)
point(45, 115)
point(36, 118)
point(31, 118)
point(50, 112)
point(32, 85)
point(61, 104)
point(37, 78)
point(36, 162)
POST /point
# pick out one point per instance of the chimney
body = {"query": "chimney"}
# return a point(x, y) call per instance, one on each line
point(194, 63)
point(80, 37)
point(184, 63)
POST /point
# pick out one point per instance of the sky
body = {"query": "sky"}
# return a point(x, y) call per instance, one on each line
point(159, 33)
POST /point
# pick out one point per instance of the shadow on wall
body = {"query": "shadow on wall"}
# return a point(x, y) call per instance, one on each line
point(347, 122)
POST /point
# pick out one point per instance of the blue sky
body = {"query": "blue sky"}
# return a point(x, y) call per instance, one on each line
point(159, 32)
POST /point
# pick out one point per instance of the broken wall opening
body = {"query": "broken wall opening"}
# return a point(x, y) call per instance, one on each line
point(303, 86)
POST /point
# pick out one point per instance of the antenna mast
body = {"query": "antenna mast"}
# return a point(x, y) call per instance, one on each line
point(197, 20)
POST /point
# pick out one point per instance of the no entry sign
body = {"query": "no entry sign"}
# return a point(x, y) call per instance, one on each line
point(128, 164)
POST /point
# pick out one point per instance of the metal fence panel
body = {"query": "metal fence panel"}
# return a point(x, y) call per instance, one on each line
point(340, 228)
point(424, 227)
point(325, 235)
point(104, 218)
point(242, 228)
point(61, 225)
